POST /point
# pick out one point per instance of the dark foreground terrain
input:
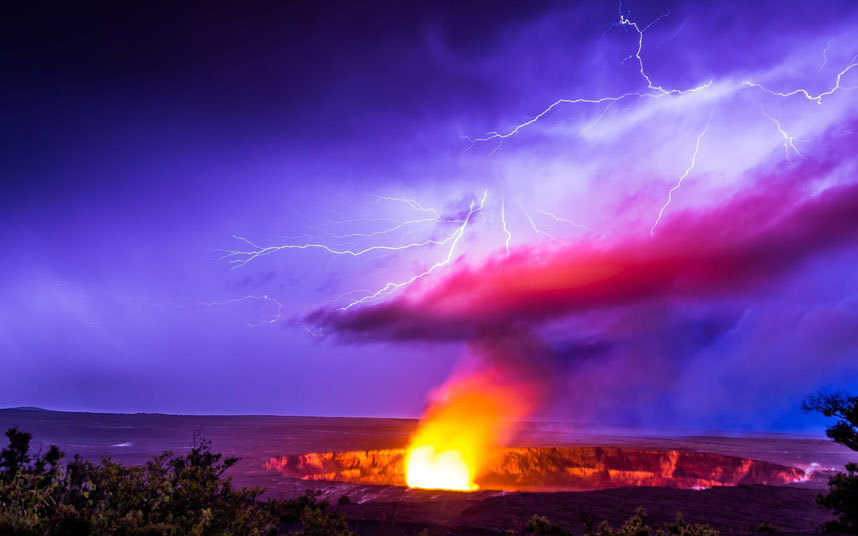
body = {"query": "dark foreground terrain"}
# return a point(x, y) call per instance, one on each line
point(394, 510)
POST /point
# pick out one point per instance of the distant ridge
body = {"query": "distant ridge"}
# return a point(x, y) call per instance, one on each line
point(204, 415)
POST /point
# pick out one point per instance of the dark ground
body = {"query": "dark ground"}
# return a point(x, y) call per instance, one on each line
point(391, 510)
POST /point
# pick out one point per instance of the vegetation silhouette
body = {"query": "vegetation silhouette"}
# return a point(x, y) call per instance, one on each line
point(636, 525)
point(842, 496)
point(168, 495)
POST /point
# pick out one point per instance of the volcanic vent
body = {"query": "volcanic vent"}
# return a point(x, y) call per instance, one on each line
point(552, 468)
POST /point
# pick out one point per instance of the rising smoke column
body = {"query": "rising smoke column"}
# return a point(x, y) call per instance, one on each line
point(503, 378)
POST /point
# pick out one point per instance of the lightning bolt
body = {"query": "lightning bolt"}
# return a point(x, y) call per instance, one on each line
point(456, 237)
point(637, 55)
point(450, 239)
point(825, 55)
point(788, 140)
point(265, 297)
point(684, 175)
point(654, 91)
point(564, 220)
point(398, 224)
point(396, 227)
point(536, 229)
point(240, 258)
point(596, 121)
point(505, 228)
point(413, 203)
point(816, 98)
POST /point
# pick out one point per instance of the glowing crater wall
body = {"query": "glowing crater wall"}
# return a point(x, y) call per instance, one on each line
point(553, 468)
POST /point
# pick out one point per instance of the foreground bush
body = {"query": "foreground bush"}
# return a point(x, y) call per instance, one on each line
point(634, 526)
point(169, 495)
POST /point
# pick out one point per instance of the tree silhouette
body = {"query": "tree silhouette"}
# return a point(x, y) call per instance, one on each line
point(15, 457)
point(842, 496)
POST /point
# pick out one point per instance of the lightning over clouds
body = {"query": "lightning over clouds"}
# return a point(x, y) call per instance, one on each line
point(644, 213)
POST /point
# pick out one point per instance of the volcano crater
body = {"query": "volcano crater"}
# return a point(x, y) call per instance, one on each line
point(552, 468)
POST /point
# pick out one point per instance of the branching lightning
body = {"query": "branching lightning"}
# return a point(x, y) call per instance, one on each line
point(592, 124)
point(684, 175)
point(413, 203)
point(801, 91)
point(825, 55)
point(275, 317)
point(450, 240)
point(564, 220)
point(788, 140)
point(456, 237)
point(240, 258)
point(651, 91)
point(387, 230)
point(505, 228)
point(539, 232)
point(637, 55)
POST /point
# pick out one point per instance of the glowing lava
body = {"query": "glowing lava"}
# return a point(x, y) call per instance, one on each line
point(554, 469)
point(450, 448)
point(426, 468)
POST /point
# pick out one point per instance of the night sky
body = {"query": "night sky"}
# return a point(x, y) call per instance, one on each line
point(312, 208)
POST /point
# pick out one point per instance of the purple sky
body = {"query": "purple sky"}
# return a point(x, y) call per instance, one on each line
point(680, 234)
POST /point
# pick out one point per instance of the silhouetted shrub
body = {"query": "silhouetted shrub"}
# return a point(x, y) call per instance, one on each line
point(293, 509)
point(540, 526)
point(634, 526)
point(842, 499)
point(317, 523)
point(169, 495)
point(766, 527)
point(681, 528)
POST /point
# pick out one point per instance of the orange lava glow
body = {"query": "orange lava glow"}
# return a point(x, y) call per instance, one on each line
point(427, 468)
point(552, 468)
point(451, 445)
